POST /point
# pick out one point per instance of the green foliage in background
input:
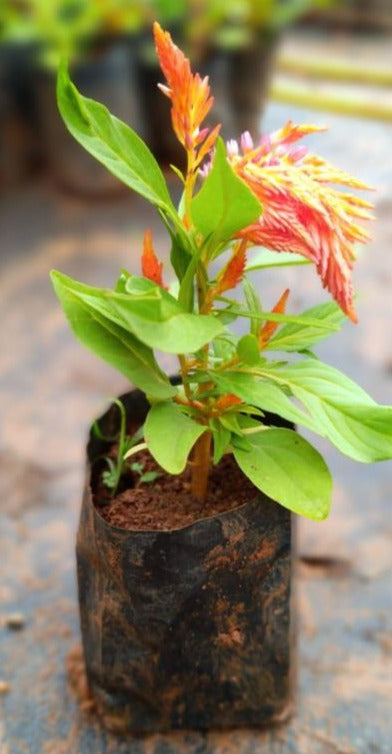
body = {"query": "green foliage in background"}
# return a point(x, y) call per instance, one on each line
point(70, 28)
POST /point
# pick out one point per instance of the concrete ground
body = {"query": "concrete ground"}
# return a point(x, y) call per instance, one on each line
point(51, 388)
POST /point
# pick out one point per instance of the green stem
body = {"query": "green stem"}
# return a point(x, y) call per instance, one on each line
point(184, 375)
point(121, 442)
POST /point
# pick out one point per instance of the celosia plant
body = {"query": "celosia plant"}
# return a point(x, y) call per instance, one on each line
point(235, 197)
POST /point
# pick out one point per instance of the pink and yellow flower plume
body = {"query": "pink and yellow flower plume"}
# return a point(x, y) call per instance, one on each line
point(302, 213)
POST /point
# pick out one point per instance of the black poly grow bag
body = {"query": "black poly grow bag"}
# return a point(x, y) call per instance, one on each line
point(188, 628)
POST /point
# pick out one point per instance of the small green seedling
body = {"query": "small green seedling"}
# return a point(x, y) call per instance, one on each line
point(145, 477)
point(118, 465)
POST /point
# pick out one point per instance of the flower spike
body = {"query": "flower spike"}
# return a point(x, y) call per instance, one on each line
point(301, 213)
point(234, 270)
point(151, 266)
point(190, 97)
point(267, 331)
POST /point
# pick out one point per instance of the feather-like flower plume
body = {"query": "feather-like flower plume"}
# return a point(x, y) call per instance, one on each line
point(269, 328)
point(301, 212)
point(190, 97)
point(151, 266)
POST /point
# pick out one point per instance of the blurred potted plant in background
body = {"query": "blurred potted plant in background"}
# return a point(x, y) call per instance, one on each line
point(113, 60)
point(239, 39)
point(18, 147)
point(87, 34)
point(184, 576)
point(173, 15)
point(234, 41)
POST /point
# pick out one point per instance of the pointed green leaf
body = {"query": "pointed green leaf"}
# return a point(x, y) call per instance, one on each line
point(170, 436)
point(295, 337)
point(221, 437)
point(112, 343)
point(224, 204)
point(149, 312)
point(248, 350)
point(344, 412)
point(266, 258)
point(289, 318)
point(180, 259)
point(187, 286)
point(112, 143)
point(289, 470)
point(263, 394)
point(183, 333)
point(254, 304)
point(230, 421)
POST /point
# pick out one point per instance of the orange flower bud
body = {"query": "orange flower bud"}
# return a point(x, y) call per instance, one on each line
point(151, 266)
point(269, 328)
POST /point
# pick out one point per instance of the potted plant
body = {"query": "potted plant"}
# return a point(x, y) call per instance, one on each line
point(184, 539)
point(158, 134)
point(88, 35)
point(234, 43)
point(17, 143)
point(238, 41)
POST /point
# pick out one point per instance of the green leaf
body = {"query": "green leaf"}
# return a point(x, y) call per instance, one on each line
point(221, 437)
point(296, 337)
point(230, 421)
point(224, 204)
point(180, 259)
point(112, 143)
point(263, 394)
point(266, 258)
point(289, 470)
point(148, 312)
point(184, 333)
point(248, 350)
point(137, 467)
point(343, 412)
point(224, 346)
point(289, 318)
point(112, 343)
point(149, 476)
point(187, 287)
point(254, 304)
point(170, 436)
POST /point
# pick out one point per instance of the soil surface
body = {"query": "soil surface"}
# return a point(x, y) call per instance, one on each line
point(167, 503)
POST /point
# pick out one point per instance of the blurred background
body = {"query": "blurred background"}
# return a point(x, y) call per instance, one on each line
point(109, 48)
point(317, 61)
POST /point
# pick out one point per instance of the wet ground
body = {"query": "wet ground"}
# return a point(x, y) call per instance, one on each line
point(51, 388)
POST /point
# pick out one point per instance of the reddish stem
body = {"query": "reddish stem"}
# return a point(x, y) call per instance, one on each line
point(201, 466)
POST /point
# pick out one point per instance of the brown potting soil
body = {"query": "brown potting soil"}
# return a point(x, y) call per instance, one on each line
point(167, 503)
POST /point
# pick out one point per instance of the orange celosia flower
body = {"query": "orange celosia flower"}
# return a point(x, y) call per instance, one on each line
point(151, 266)
point(233, 272)
point(227, 401)
point(301, 213)
point(190, 96)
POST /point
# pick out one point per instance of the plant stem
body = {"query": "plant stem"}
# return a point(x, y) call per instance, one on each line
point(201, 466)
point(184, 375)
